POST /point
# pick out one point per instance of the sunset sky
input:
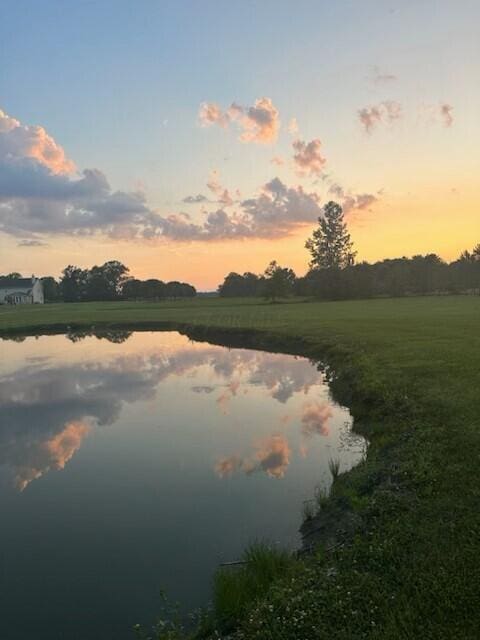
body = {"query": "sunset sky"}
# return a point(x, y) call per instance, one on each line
point(190, 139)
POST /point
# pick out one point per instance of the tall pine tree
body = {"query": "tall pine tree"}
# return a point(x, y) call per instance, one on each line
point(330, 245)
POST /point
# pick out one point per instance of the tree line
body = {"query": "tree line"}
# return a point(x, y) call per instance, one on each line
point(109, 281)
point(333, 274)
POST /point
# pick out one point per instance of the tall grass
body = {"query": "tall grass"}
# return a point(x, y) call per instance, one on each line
point(321, 497)
point(334, 467)
point(238, 587)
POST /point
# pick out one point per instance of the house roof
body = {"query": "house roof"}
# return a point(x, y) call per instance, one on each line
point(15, 283)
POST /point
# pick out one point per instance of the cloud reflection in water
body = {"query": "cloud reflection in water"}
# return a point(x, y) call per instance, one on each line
point(49, 406)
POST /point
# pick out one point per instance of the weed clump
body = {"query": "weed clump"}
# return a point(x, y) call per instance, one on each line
point(237, 588)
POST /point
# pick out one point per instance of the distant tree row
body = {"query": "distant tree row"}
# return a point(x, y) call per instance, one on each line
point(333, 274)
point(153, 289)
point(275, 282)
point(110, 281)
point(420, 275)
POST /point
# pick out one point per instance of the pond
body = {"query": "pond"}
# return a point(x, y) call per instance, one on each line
point(137, 463)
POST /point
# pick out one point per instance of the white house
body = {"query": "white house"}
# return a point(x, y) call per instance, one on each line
point(21, 291)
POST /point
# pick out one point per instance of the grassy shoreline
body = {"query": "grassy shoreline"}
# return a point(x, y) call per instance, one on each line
point(409, 370)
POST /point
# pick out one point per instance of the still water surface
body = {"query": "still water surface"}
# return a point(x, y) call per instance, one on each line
point(139, 465)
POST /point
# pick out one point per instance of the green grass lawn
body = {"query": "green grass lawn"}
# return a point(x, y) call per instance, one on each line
point(409, 369)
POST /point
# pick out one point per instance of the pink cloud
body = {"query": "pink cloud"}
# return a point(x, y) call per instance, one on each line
point(293, 127)
point(383, 113)
point(278, 161)
point(271, 456)
point(315, 418)
point(275, 212)
point(259, 123)
point(224, 467)
point(352, 201)
point(24, 141)
point(210, 113)
point(223, 195)
point(446, 113)
point(308, 158)
point(53, 454)
point(436, 113)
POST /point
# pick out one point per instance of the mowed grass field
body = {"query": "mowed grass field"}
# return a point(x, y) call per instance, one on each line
point(409, 369)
